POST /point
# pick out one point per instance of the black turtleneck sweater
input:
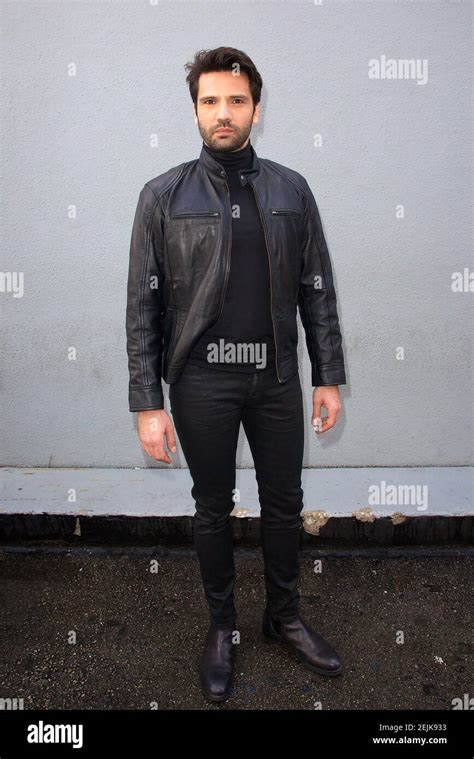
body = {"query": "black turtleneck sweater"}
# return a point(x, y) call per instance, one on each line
point(246, 315)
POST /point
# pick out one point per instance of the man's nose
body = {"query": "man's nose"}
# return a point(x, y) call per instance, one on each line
point(223, 112)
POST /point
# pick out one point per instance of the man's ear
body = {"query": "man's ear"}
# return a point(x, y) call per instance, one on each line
point(256, 114)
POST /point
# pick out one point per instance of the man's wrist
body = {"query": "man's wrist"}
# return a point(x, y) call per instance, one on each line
point(145, 410)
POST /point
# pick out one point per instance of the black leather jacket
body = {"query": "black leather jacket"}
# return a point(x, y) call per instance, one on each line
point(179, 265)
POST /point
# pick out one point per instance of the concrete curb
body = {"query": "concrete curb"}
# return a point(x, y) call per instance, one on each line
point(178, 531)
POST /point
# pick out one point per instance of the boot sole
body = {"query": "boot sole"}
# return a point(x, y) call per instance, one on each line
point(320, 670)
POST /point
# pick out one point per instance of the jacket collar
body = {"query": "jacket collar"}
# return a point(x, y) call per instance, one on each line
point(214, 167)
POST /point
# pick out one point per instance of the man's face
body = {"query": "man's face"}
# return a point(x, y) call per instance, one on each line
point(224, 100)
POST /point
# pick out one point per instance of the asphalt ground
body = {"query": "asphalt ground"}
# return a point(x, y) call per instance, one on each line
point(103, 630)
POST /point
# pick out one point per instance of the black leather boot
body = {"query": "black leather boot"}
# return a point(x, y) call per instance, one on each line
point(314, 652)
point(216, 666)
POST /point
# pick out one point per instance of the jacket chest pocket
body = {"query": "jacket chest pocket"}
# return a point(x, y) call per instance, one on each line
point(285, 212)
point(195, 215)
point(192, 239)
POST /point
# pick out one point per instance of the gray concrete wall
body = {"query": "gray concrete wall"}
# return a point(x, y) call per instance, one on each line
point(84, 142)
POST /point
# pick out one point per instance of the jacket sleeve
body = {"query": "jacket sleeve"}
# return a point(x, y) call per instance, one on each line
point(317, 301)
point(144, 318)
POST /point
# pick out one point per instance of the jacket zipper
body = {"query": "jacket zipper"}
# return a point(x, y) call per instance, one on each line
point(285, 212)
point(192, 214)
point(271, 287)
point(228, 256)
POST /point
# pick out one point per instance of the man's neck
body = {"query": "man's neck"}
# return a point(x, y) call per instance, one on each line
point(233, 160)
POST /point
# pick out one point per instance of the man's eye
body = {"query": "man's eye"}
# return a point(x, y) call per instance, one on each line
point(210, 100)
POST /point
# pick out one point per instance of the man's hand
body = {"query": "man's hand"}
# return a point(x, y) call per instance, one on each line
point(151, 427)
point(327, 396)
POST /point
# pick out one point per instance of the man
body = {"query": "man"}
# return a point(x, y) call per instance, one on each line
point(225, 249)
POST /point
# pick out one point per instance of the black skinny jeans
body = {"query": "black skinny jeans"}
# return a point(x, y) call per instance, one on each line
point(207, 406)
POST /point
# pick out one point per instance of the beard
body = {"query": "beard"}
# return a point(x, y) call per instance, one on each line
point(225, 143)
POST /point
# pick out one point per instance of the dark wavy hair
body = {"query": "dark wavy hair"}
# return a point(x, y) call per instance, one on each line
point(222, 59)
